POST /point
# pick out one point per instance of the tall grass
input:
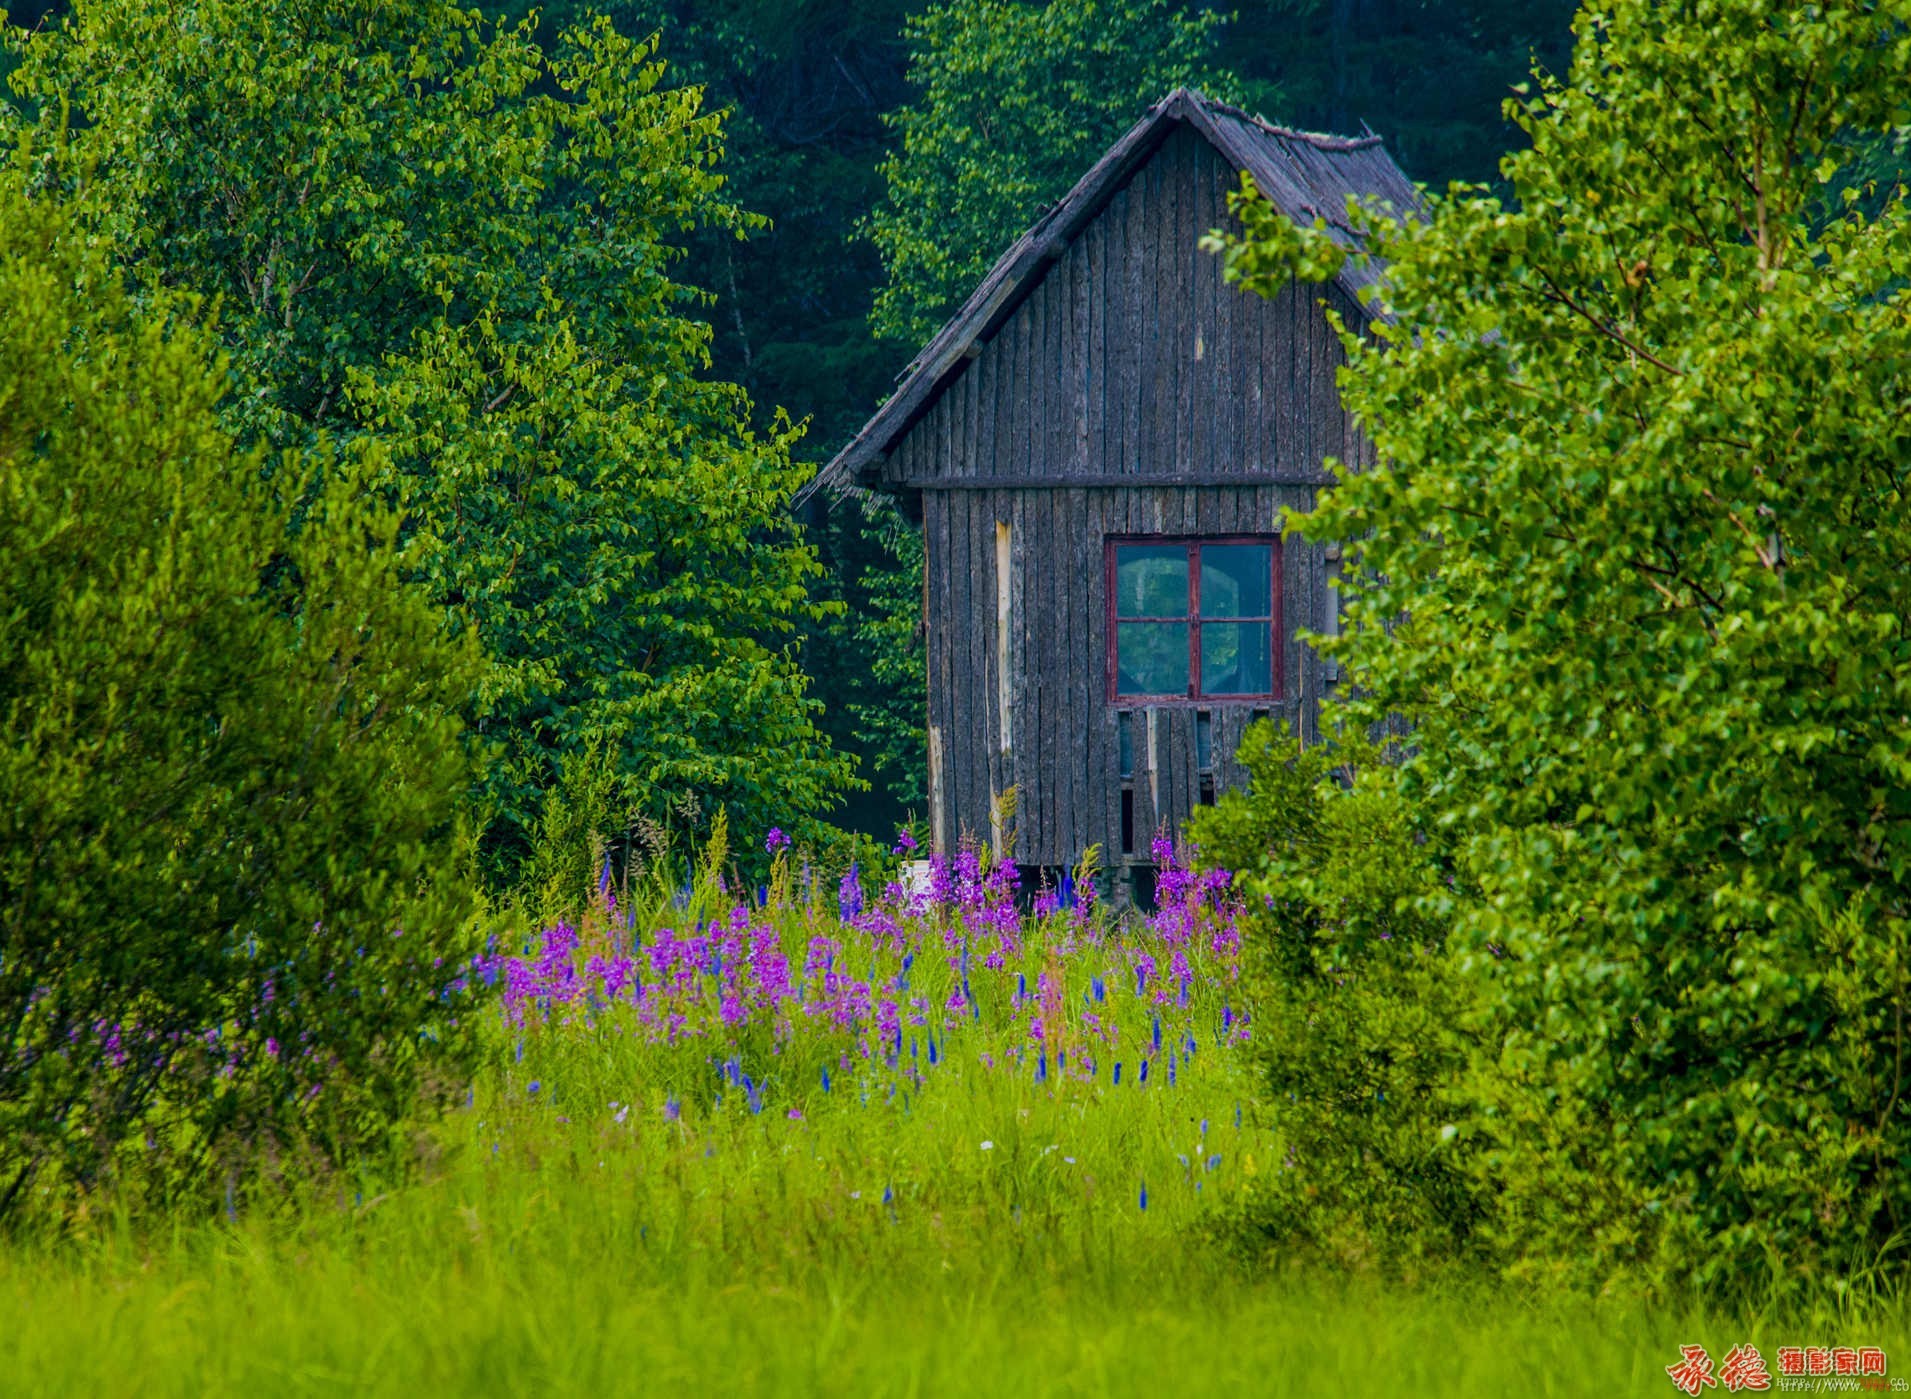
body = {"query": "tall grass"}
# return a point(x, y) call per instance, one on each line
point(644, 1195)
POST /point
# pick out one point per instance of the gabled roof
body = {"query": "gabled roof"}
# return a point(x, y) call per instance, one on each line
point(1307, 176)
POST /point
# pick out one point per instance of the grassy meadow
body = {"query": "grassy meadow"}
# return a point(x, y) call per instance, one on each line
point(806, 1143)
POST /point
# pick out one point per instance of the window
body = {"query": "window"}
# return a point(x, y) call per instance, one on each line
point(1194, 619)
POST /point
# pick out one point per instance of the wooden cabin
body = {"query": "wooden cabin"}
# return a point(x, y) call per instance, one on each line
point(1098, 447)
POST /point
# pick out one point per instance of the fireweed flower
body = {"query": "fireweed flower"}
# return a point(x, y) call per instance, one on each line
point(821, 983)
point(849, 894)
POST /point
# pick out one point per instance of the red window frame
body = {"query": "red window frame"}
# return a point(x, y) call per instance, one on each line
point(1194, 542)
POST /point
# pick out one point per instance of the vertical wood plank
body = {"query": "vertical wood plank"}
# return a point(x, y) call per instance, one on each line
point(955, 755)
point(1094, 283)
point(1165, 336)
point(1061, 671)
point(941, 640)
point(962, 720)
point(1205, 274)
point(1159, 340)
point(1025, 640)
point(1260, 449)
point(1187, 784)
point(1083, 362)
point(1053, 801)
point(1135, 336)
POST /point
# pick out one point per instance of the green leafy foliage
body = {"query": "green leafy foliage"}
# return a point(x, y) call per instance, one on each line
point(435, 230)
point(1359, 1010)
point(228, 859)
point(1634, 569)
point(873, 651)
point(1015, 102)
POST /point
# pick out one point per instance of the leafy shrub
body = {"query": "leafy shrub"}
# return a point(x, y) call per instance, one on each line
point(1632, 565)
point(1359, 1041)
point(229, 762)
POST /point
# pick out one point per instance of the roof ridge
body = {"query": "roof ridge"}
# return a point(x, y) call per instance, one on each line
point(1321, 140)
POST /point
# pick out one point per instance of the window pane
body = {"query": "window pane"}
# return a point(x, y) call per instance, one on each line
point(1237, 580)
point(1151, 580)
point(1237, 658)
point(1151, 658)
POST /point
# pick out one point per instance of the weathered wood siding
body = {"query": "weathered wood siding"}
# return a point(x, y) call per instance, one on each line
point(1132, 392)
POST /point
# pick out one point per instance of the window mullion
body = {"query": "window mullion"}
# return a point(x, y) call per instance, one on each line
point(1194, 620)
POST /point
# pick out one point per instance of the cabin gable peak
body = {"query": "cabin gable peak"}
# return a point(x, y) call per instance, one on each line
point(1307, 175)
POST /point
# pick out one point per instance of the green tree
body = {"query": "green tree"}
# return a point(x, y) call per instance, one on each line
point(230, 901)
point(1634, 566)
point(806, 86)
point(1015, 101)
point(1359, 1008)
point(433, 229)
